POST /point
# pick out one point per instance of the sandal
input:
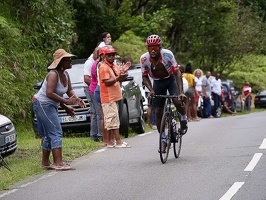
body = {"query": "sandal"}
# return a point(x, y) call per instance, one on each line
point(64, 168)
point(123, 145)
point(196, 119)
point(47, 167)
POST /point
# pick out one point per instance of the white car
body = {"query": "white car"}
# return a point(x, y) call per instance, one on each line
point(8, 137)
point(136, 73)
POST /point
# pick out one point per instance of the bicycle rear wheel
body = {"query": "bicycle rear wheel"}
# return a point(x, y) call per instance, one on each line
point(165, 137)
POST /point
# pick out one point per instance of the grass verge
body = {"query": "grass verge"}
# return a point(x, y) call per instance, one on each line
point(26, 161)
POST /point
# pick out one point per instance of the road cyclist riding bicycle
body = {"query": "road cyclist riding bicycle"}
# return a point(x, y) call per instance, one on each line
point(160, 64)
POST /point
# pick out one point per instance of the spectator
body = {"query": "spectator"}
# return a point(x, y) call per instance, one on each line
point(190, 93)
point(185, 83)
point(95, 131)
point(198, 87)
point(224, 104)
point(110, 92)
point(246, 91)
point(106, 39)
point(216, 93)
point(46, 103)
point(206, 94)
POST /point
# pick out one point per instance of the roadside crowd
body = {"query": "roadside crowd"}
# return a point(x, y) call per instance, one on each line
point(202, 89)
point(103, 77)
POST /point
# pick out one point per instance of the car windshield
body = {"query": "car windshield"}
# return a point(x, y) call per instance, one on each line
point(76, 73)
point(137, 76)
point(262, 92)
point(225, 89)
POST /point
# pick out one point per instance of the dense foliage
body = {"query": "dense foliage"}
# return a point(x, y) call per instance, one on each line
point(226, 36)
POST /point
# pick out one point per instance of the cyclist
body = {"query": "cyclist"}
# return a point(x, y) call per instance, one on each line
point(161, 66)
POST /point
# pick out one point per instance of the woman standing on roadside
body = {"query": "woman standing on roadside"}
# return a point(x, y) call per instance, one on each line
point(46, 103)
point(198, 89)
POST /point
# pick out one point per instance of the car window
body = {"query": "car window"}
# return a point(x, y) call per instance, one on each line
point(76, 73)
point(137, 76)
point(263, 92)
point(225, 89)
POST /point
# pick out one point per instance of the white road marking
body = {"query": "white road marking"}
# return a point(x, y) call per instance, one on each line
point(141, 135)
point(263, 144)
point(27, 184)
point(232, 191)
point(253, 162)
point(7, 193)
point(100, 150)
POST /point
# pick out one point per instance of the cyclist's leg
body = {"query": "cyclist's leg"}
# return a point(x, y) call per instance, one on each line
point(173, 90)
point(158, 103)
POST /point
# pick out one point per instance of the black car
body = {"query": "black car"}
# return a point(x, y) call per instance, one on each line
point(260, 99)
point(130, 107)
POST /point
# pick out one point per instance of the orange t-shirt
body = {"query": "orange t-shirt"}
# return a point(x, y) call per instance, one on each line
point(113, 92)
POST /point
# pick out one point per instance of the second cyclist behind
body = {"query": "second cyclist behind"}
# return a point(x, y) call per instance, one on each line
point(160, 64)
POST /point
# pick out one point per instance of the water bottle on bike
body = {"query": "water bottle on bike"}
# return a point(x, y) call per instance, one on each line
point(174, 130)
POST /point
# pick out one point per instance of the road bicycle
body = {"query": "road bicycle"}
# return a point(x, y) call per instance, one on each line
point(170, 132)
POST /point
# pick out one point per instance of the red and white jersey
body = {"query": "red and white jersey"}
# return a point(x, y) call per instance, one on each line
point(246, 90)
point(166, 58)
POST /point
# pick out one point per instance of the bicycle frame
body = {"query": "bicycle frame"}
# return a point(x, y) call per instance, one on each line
point(167, 135)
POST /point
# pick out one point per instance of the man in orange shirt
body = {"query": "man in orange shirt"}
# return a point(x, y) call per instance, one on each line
point(110, 92)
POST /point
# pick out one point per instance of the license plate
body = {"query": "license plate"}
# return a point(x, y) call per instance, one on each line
point(77, 118)
point(10, 138)
point(262, 99)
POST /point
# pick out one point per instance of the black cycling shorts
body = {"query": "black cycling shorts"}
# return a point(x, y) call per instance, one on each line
point(161, 87)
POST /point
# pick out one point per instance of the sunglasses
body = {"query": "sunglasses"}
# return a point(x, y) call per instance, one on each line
point(155, 48)
point(110, 55)
point(67, 59)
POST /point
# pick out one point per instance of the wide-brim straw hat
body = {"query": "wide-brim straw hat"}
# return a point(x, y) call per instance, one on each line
point(58, 55)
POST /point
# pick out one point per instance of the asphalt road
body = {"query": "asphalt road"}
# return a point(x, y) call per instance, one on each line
point(220, 159)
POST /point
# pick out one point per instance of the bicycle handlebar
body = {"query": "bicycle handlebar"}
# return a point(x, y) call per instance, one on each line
point(167, 96)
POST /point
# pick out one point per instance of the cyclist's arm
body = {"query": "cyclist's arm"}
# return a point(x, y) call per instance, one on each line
point(146, 82)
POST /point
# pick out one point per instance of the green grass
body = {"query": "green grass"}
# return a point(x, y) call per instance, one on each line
point(26, 161)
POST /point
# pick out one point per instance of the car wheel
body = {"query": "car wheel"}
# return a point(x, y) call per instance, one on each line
point(124, 121)
point(140, 126)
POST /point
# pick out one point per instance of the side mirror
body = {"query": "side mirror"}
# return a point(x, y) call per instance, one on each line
point(37, 86)
point(129, 78)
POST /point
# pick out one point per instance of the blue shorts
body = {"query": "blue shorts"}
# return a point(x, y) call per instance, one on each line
point(161, 87)
point(47, 115)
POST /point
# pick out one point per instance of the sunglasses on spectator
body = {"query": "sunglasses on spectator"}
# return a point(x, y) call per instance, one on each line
point(110, 55)
point(67, 59)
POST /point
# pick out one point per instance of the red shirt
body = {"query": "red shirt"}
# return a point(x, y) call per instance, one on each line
point(246, 90)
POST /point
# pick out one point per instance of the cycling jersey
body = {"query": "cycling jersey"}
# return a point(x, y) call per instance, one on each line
point(166, 58)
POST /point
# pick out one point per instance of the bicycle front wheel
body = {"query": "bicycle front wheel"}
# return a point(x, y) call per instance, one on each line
point(177, 144)
point(165, 137)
